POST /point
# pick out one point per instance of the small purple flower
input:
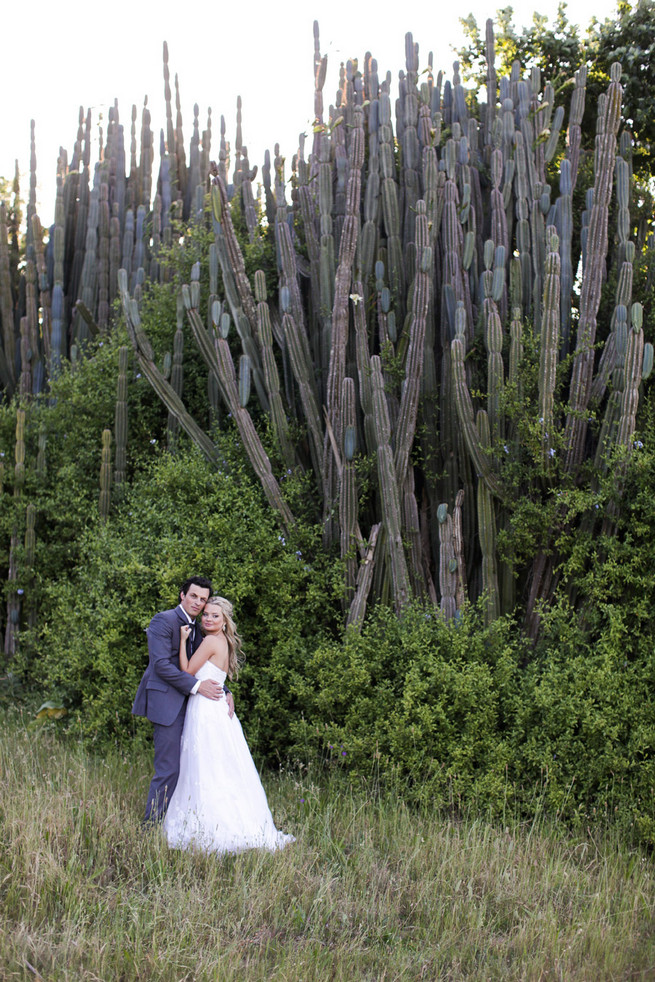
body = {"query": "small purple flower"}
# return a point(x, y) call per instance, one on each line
point(343, 753)
point(20, 592)
point(302, 801)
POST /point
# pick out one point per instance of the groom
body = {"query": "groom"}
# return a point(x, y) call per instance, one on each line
point(164, 688)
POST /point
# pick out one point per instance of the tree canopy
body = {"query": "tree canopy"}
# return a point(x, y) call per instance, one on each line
point(560, 50)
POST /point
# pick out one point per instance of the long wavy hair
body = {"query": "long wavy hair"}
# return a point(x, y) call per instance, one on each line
point(234, 644)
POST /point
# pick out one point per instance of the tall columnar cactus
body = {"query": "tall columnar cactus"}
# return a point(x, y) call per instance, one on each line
point(608, 123)
point(564, 220)
point(19, 469)
point(447, 563)
point(550, 342)
point(389, 490)
point(176, 375)
point(479, 452)
point(270, 372)
point(29, 560)
point(105, 476)
point(7, 349)
point(340, 306)
point(487, 531)
point(120, 418)
point(30, 535)
point(458, 551)
point(348, 502)
point(634, 363)
point(357, 608)
point(14, 596)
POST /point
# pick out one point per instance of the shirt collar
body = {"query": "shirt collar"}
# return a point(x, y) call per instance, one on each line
point(189, 620)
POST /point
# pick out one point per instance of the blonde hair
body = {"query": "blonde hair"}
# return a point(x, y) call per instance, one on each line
point(234, 643)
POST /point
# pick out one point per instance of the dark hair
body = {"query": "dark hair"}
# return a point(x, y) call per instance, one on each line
point(200, 581)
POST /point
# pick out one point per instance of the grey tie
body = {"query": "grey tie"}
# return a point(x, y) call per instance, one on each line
point(192, 637)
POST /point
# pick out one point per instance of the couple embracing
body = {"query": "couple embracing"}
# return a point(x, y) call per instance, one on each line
point(206, 790)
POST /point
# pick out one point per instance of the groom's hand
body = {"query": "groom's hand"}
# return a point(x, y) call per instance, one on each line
point(210, 689)
point(230, 703)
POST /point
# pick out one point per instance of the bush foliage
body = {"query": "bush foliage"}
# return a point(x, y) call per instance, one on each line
point(450, 715)
point(176, 518)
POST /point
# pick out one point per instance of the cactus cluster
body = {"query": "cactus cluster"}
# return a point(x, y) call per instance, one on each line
point(105, 218)
point(419, 247)
point(425, 268)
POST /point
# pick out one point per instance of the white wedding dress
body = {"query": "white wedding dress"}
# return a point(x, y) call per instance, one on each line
point(219, 804)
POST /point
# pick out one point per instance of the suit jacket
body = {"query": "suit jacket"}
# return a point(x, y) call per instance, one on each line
point(164, 687)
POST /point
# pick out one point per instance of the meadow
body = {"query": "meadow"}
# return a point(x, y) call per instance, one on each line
point(371, 890)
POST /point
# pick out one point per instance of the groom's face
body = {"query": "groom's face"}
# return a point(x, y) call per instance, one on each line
point(194, 600)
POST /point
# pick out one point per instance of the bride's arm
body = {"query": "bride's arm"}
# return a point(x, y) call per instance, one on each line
point(199, 657)
point(185, 631)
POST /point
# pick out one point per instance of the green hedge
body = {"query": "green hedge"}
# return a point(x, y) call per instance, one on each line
point(450, 715)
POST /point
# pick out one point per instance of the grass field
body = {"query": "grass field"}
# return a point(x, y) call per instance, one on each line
point(371, 890)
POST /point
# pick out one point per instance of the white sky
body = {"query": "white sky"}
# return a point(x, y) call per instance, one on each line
point(56, 58)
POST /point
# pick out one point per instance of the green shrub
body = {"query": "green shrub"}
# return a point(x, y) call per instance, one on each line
point(451, 715)
point(417, 701)
point(177, 518)
point(79, 406)
point(588, 720)
point(586, 729)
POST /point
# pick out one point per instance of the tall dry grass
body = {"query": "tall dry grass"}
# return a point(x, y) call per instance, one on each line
point(370, 891)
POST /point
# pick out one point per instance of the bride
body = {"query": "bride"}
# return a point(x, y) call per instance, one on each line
point(219, 804)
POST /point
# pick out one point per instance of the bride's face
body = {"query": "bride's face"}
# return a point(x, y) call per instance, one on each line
point(213, 619)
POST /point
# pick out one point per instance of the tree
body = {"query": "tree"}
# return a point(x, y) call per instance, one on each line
point(559, 51)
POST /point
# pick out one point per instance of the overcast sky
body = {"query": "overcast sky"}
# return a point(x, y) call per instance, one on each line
point(55, 59)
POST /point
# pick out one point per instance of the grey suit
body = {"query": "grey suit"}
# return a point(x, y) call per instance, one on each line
point(162, 696)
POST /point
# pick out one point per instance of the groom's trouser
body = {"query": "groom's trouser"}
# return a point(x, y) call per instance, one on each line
point(167, 766)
